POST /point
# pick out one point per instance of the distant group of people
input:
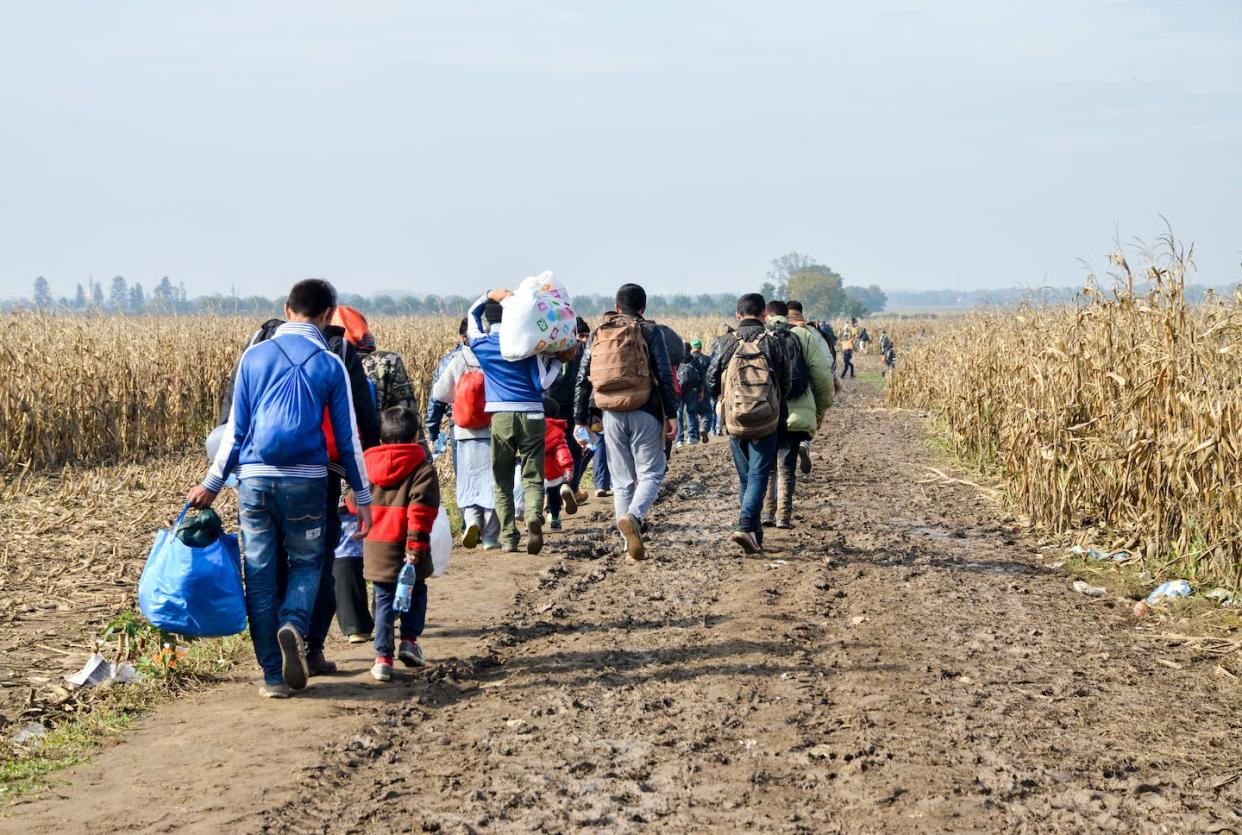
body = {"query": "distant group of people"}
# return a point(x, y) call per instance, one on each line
point(314, 402)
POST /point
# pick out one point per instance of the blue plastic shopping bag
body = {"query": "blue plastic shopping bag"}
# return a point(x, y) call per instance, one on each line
point(192, 583)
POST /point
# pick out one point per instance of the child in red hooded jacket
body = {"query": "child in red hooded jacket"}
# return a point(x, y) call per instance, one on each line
point(406, 498)
point(558, 466)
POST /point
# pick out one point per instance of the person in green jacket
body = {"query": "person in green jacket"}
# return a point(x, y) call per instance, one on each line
point(810, 397)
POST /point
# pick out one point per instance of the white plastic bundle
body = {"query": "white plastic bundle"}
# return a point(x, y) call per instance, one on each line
point(539, 319)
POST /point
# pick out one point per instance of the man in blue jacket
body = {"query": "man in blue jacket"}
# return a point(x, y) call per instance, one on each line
point(275, 442)
point(514, 391)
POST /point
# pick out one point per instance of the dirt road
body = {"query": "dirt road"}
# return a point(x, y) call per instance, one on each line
point(901, 661)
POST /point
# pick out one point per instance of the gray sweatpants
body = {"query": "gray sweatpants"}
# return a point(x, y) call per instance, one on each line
point(635, 460)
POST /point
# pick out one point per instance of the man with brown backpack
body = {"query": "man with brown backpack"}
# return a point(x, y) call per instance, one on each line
point(627, 374)
point(751, 376)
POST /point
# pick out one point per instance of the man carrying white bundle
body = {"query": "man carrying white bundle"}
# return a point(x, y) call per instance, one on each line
point(514, 390)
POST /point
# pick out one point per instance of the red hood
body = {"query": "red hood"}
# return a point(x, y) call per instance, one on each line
point(390, 464)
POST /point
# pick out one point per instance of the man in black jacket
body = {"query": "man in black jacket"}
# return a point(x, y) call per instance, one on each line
point(753, 457)
point(635, 438)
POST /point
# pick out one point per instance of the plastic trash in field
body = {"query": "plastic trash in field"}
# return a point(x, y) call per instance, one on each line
point(1096, 555)
point(29, 733)
point(97, 670)
point(1083, 587)
point(1221, 595)
point(1168, 591)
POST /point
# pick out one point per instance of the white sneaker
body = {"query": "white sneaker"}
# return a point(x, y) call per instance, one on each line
point(381, 672)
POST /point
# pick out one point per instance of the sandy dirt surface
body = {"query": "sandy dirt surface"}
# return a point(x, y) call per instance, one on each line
point(901, 661)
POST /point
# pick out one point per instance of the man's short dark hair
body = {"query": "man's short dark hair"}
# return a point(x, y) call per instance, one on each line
point(311, 297)
point(794, 304)
point(776, 307)
point(751, 304)
point(399, 425)
point(631, 299)
point(492, 311)
point(464, 327)
point(583, 327)
point(551, 409)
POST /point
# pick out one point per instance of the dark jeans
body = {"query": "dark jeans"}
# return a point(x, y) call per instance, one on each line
point(280, 516)
point(848, 359)
point(602, 480)
point(579, 455)
point(325, 600)
point(353, 609)
point(552, 500)
point(688, 413)
point(412, 622)
point(753, 460)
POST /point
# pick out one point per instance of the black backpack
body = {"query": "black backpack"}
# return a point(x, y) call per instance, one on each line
point(800, 377)
point(688, 375)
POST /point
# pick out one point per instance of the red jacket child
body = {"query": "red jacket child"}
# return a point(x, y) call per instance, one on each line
point(405, 496)
point(557, 462)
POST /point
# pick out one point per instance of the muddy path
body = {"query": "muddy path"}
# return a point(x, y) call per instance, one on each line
point(901, 661)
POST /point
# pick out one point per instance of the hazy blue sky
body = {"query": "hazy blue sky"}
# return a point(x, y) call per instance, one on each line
point(451, 146)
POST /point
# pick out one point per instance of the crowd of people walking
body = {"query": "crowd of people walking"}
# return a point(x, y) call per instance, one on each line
point(322, 433)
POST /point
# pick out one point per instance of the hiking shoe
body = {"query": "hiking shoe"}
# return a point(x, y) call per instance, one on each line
point(580, 497)
point(360, 638)
point(569, 499)
point(554, 523)
point(280, 690)
point(534, 535)
point(703, 438)
point(747, 540)
point(784, 524)
point(804, 458)
point(382, 671)
point(411, 654)
point(768, 520)
point(317, 665)
point(631, 528)
point(602, 494)
point(292, 656)
point(509, 547)
point(470, 536)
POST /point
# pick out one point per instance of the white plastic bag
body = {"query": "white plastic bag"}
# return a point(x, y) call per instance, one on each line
point(539, 319)
point(441, 543)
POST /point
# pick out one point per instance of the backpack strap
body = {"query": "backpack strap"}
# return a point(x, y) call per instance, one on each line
point(290, 359)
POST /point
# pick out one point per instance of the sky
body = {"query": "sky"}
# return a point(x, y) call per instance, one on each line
point(449, 147)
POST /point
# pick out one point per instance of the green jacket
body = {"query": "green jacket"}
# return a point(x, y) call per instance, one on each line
point(806, 410)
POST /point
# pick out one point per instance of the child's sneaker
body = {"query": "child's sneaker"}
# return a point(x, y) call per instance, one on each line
point(382, 671)
point(569, 499)
point(554, 522)
point(470, 536)
point(411, 655)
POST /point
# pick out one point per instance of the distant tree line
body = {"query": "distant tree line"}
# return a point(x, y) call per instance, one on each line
point(796, 276)
point(123, 297)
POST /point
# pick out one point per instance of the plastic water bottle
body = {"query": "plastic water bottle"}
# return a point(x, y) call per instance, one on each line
point(405, 588)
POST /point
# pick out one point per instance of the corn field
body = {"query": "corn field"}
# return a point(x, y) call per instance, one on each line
point(85, 390)
point(1122, 413)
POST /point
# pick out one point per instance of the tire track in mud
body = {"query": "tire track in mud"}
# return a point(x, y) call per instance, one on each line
point(898, 662)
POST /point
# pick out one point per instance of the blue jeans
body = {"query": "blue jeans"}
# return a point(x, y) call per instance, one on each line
point(412, 622)
point(753, 460)
point(688, 413)
point(601, 477)
point(280, 515)
point(325, 598)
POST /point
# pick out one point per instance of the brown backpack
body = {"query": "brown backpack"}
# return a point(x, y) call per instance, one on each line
point(620, 364)
point(751, 406)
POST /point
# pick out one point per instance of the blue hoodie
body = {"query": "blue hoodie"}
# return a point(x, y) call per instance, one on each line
point(509, 386)
point(262, 365)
